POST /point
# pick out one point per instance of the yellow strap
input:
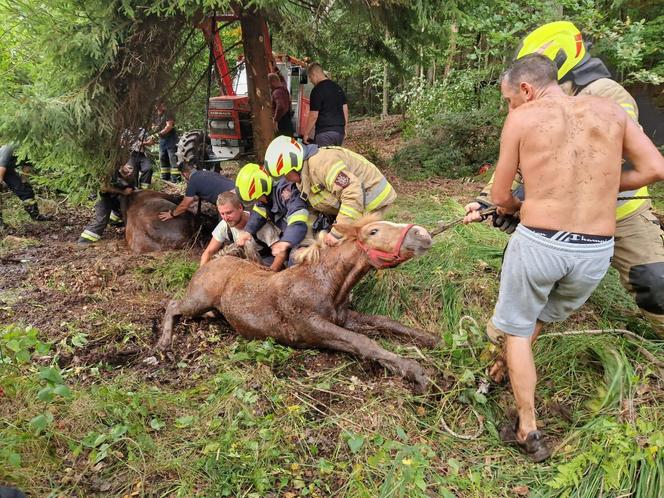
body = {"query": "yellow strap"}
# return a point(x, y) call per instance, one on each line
point(261, 211)
point(349, 211)
point(629, 109)
point(332, 174)
point(379, 198)
point(629, 207)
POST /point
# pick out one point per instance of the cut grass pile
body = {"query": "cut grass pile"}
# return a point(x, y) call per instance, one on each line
point(253, 419)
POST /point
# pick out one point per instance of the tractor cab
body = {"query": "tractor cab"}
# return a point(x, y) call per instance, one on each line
point(229, 116)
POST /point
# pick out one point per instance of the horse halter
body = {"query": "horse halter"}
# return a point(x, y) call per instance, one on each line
point(382, 259)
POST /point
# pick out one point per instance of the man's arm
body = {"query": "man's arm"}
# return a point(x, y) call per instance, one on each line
point(345, 108)
point(179, 209)
point(170, 124)
point(647, 161)
point(346, 187)
point(309, 127)
point(507, 166)
point(213, 248)
point(281, 103)
point(2, 173)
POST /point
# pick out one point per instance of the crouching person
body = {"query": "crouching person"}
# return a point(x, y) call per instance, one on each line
point(232, 225)
point(122, 182)
point(278, 203)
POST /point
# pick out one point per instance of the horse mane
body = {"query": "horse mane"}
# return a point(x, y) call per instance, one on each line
point(249, 251)
point(312, 254)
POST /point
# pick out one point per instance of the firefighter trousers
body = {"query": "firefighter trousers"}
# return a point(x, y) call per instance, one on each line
point(168, 159)
point(639, 258)
point(141, 162)
point(23, 190)
point(105, 205)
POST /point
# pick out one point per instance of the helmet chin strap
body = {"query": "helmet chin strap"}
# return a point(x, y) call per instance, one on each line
point(382, 259)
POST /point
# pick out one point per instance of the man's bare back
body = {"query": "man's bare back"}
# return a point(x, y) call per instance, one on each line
point(570, 153)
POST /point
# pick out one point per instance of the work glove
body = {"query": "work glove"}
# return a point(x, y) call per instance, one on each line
point(506, 222)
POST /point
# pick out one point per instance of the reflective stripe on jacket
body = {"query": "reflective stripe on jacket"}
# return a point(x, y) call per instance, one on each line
point(339, 182)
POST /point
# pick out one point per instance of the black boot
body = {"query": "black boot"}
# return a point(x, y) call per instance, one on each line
point(33, 211)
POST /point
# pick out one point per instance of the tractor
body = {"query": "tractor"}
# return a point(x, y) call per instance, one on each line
point(229, 131)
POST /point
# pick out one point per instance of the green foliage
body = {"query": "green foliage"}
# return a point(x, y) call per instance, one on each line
point(171, 273)
point(453, 145)
point(18, 344)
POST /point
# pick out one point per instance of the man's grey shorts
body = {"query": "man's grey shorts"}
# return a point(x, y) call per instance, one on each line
point(543, 279)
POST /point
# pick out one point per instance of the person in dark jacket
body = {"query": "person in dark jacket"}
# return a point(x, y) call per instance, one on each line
point(122, 182)
point(281, 106)
point(276, 202)
point(23, 190)
point(204, 184)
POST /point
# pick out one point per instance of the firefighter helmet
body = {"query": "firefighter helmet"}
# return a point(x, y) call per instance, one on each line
point(283, 155)
point(560, 41)
point(253, 182)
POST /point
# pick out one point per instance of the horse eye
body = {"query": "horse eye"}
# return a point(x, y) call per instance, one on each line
point(373, 232)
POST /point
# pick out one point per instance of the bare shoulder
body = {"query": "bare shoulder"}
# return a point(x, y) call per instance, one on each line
point(600, 106)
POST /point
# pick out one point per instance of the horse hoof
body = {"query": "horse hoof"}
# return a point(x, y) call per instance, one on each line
point(163, 344)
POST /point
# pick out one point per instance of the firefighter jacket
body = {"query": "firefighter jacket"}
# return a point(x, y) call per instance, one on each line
point(603, 87)
point(286, 209)
point(341, 183)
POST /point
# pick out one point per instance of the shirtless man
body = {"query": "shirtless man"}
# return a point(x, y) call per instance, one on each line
point(569, 151)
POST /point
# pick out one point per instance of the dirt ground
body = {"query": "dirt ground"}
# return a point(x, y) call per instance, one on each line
point(57, 285)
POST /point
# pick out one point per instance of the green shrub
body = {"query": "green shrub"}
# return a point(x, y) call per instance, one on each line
point(455, 145)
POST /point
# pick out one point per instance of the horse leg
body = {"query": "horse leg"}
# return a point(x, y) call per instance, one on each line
point(325, 334)
point(185, 307)
point(359, 322)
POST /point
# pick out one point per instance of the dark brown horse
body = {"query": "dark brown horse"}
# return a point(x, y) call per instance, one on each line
point(307, 305)
point(145, 232)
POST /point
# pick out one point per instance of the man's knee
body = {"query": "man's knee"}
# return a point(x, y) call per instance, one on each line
point(647, 281)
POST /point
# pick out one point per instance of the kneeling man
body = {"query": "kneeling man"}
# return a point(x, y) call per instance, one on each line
point(569, 151)
point(278, 203)
point(232, 225)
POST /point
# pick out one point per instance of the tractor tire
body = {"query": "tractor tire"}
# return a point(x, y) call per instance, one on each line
point(190, 149)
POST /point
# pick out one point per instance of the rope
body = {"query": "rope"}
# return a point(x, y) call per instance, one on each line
point(647, 354)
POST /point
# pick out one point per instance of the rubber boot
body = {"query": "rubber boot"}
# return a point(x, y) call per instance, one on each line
point(33, 211)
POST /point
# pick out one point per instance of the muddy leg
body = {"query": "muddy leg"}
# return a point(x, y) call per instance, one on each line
point(367, 323)
point(325, 334)
point(174, 309)
point(498, 370)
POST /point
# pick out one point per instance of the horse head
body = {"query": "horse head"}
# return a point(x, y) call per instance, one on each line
point(385, 243)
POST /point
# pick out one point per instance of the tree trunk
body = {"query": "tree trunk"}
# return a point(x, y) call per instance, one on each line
point(386, 84)
point(451, 49)
point(253, 40)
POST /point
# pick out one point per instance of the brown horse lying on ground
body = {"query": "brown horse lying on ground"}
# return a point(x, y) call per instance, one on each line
point(307, 305)
point(145, 232)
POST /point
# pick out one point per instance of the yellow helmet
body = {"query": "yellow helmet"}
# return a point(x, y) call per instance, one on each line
point(283, 155)
point(560, 41)
point(252, 182)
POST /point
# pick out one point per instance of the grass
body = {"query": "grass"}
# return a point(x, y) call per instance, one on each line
point(252, 418)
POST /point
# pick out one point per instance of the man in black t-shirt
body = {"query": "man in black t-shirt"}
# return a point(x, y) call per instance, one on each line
point(204, 184)
point(328, 110)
